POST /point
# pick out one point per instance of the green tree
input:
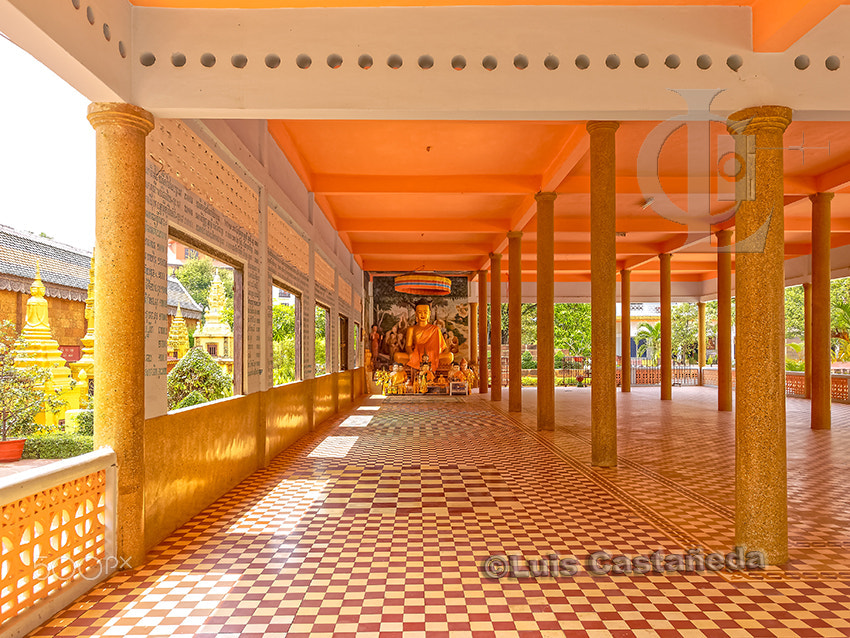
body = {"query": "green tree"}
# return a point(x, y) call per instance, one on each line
point(197, 378)
point(283, 343)
point(321, 340)
point(196, 275)
point(684, 330)
point(794, 313)
point(22, 394)
point(648, 338)
point(528, 323)
point(572, 328)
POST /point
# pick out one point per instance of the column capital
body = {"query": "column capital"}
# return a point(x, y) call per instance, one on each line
point(495, 255)
point(515, 234)
point(821, 197)
point(759, 118)
point(724, 237)
point(598, 125)
point(103, 113)
point(665, 256)
point(545, 196)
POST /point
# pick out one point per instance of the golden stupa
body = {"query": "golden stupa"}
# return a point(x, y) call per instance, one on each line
point(178, 336)
point(42, 350)
point(215, 336)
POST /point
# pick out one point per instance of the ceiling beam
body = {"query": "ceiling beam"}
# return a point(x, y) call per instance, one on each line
point(402, 248)
point(678, 185)
point(404, 264)
point(394, 184)
point(452, 225)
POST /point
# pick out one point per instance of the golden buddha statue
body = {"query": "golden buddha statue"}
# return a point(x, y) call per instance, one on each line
point(422, 339)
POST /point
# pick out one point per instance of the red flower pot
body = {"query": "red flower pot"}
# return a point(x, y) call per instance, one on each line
point(12, 449)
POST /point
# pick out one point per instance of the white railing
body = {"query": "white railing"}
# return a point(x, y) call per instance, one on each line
point(57, 537)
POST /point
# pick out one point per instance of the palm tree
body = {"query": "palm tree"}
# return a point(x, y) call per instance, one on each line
point(648, 337)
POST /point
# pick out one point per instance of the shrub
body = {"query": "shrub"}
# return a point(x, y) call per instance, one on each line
point(193, 398)
point(57, 446)
point(528, 362)
point(526, 381)
point(795, 366)
point(559, 359)
point(196, 372)
point(85, 423)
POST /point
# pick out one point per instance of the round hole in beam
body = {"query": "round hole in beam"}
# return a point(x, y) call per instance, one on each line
point(735, 62)
point(395, 61)
point(672, 61)
point(458, 63)
point(613, 61)
point(122, 50)
point(107, 34)
point(704, 62)
point(833, 63)
point(334, 60)
point(272, 60)
point(582, 62)
point(239, 60)
point(426, 62)
point(802, 62)
point(147, 59)
point(551, 62)
point(521, 61)
point(208, 60)
point(303, 61)
point(90, 15)
point(642, 60)
point(178, 59)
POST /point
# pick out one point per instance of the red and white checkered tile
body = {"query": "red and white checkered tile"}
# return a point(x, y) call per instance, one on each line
point(378, 524)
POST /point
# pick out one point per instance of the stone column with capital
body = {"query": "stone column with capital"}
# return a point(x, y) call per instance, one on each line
point(820, 341)
point(603, 291)
point(483, 371)
point(495, 326)
point(545, 310)
point(515, 321)
point(626, 330)
point(666, 330)
point(119, 298)
point(761, 489)
point(724, 321)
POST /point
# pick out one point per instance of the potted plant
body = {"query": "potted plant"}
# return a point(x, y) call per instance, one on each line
point(22, 396)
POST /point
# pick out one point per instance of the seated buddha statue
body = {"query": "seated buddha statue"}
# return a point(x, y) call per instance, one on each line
point(424, 338)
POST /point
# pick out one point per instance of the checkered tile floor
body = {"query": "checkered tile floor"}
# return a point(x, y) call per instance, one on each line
point(378, 524)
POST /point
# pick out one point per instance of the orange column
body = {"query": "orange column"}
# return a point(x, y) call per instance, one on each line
point(603, 294)
point(626, 330)
point(761, 487)
point(666, 330)
point(701, 318)
point(119, 299)
point(545, 310)
point(515, 321)
point(724, 321)
point(482, 332)
point(496, 326)
point(821, 360)
point(473, 333)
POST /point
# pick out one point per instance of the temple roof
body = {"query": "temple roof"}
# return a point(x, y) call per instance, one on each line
point(64, 270)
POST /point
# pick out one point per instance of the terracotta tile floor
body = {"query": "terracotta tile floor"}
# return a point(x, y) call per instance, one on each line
point(378, 524)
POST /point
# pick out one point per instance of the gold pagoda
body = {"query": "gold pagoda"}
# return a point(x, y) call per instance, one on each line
point(40, 349)
point(215, 336)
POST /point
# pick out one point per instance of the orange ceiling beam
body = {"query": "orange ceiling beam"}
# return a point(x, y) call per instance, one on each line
point(481, 184)
point(452, 225)
point(777, 24)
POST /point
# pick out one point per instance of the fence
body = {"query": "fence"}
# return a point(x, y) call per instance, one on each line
point(57, 539)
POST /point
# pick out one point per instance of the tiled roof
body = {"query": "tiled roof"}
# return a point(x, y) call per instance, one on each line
point(177, 294)
point(64, 265)
point(60, 264)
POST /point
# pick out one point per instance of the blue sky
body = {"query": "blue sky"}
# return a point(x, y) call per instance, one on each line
point(47, 159)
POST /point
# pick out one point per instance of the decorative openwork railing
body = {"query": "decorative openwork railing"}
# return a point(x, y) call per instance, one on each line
point(795, 386)
point(57, 537)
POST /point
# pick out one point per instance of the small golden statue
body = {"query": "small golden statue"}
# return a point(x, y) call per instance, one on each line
point(455, 374)
point(397, 380)
point(426, 377)
point(424, 339)
point(468, 372)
